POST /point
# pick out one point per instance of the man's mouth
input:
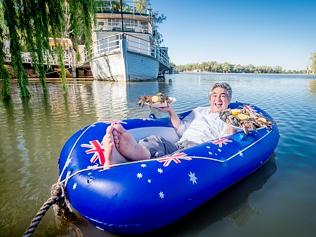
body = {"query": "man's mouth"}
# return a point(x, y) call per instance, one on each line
point(218, 105)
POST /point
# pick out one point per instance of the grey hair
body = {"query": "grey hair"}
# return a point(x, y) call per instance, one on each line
point(223, 85)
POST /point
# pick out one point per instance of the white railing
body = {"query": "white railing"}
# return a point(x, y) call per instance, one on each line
point(27, 59)
point(163, 57)
point(139, 45)
point(112, 44)
point(105, 46)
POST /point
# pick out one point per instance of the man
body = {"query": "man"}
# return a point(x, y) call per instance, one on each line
point(201, 125)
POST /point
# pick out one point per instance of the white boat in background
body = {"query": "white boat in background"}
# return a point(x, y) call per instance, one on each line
point(126, 43)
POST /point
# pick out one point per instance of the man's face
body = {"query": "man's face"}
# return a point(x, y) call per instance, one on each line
point(219, 100)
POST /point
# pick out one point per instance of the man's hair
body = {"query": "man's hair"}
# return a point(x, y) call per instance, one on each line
point(223, 85)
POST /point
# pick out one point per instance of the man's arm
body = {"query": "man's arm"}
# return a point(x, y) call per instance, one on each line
point(175, 120)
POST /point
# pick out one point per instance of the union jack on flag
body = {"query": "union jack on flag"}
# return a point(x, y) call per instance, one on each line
point(177, 157)
point(221, 141)
point(96, 148)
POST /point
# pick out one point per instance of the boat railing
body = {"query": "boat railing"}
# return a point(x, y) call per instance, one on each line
point(113, 44)
point(163, 57)
point(104, 46)
point(52, 58)
point(139, 45)
point(142, 46)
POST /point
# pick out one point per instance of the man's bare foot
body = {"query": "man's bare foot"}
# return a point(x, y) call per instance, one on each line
point(126, 144)
point(108, 145)
point(111, 154)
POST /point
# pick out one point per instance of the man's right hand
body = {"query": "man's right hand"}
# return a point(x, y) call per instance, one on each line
point(167, 109)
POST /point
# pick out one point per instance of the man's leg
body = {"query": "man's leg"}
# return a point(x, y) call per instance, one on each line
point(127, 145)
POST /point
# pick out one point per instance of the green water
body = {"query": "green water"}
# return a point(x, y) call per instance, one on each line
point(279, 199)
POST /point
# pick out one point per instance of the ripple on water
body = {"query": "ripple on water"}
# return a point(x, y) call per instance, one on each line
point(32, 135)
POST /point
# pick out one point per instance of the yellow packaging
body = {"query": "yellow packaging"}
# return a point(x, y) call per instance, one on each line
point(235, 112)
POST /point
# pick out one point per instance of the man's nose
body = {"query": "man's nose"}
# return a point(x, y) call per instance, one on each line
point(218, 99)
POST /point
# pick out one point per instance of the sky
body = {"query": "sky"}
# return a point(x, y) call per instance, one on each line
point(259, 32)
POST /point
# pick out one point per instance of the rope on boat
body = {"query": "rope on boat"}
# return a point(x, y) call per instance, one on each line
point(56, 197)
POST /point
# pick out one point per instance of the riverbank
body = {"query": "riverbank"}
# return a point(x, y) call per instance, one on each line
point(55, 72)
point(246, 73)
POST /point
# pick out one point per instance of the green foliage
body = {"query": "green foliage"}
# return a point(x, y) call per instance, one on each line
point(313, 63)
point(11, 19)
point(31, 23)
point(158, 19)
point(60, 58)
point(4, 76)
point(140, 5)
point(231, 68)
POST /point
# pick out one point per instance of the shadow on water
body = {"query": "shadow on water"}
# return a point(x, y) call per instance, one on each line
point(164, 87)
point(9, 107)
point(26, 108)
point(225, 204)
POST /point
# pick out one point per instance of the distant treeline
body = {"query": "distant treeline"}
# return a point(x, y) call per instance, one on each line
point(232, 68)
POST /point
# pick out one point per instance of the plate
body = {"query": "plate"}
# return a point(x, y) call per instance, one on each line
point(161, 105)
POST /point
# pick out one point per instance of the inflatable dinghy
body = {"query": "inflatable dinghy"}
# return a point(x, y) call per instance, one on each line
point(138, 197)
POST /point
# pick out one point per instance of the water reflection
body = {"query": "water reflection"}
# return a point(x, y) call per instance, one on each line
point(232, 203)
point(312, 87)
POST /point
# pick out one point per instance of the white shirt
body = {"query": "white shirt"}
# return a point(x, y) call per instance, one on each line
point(200, 126)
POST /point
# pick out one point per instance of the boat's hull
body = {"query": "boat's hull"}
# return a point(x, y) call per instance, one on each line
point(125, 67)
point(138, 197)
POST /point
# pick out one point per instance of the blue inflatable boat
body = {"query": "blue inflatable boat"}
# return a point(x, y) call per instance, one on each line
point(142, 196)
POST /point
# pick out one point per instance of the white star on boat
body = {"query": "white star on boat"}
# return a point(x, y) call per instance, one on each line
point(161, 195)
point(193, 178)
point(159, 170)
point(143, 165)
point(139, 175)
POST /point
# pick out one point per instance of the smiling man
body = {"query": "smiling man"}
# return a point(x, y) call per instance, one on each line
point(201, 125)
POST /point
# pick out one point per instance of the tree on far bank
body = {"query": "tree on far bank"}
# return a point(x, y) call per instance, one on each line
point(313, 63)
point(214, 66)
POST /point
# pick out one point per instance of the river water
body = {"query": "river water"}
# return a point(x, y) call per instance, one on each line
point(277, 200)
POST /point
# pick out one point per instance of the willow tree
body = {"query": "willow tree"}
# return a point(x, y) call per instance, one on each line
point(29, 25)
point(140, 5)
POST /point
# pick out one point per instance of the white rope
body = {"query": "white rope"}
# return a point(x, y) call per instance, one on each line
point(96, 167)
point(73, 147)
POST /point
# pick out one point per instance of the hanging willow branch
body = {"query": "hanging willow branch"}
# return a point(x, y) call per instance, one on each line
point(11, 18)
point(3, 72)
point(31, 23)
